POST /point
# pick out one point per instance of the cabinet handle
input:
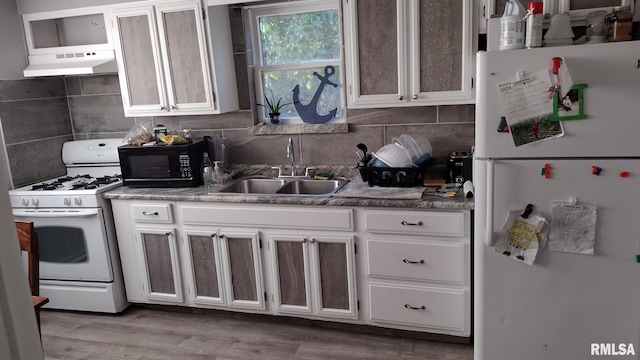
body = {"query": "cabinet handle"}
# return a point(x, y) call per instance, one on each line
point(419, 223)
point(155, 213)
point(313, 241)
point(415, 97)
point(304, 240)
point(168, 233)
point(407, 306)
point(401, 98)
point(407, 261)
point(221, 236)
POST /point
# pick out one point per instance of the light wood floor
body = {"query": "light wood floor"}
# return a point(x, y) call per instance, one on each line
point(155, 334)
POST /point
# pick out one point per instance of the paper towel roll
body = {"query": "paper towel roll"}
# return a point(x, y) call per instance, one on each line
point(467, 187)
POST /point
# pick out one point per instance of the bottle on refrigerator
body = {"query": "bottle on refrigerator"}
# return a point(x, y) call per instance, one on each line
point(513, 26)
point(207, 171)
point(533, 36)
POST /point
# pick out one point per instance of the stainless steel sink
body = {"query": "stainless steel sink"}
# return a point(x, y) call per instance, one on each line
point(311, 187)
point(283, 186)
point(253, 186)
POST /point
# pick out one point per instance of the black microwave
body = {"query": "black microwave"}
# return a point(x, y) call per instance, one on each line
point(162, 165)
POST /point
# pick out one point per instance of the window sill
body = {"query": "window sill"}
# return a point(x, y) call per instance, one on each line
point(299, 129)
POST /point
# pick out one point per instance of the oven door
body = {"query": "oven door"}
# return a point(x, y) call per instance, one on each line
point(73, 243)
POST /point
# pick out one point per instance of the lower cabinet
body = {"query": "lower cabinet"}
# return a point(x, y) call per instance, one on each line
point(314, 275)
point(223, 267)
point(157, 250)
point(394, 268)
point(417, 270)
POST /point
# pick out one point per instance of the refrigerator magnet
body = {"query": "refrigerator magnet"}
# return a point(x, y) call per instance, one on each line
point(571, 105)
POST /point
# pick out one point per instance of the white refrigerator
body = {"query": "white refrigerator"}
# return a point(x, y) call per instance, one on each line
point(565, 305)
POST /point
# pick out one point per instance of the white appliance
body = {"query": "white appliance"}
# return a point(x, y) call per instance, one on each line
point(79, 260)
point(563, 304)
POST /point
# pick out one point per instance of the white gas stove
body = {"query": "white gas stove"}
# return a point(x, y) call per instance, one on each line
point(92, 168)
point(79, 260)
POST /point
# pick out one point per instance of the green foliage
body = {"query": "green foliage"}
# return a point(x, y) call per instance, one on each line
point(274, 105)
point(300, 37)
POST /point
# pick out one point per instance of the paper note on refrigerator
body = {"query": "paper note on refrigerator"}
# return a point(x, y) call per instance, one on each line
point(523, 238)
point(573, 228)
point(527, 104)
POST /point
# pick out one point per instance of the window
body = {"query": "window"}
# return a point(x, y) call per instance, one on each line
point(292, 41)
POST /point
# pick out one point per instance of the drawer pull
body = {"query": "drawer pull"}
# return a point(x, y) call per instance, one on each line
point(155, 213)
point(415, 308)
point(419, 223)
point(407, 261)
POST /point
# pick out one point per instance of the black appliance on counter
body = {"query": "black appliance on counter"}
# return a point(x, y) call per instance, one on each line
point(459, 167)
point(162, 165)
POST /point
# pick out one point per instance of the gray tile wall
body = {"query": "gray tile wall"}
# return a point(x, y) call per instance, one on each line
point(37, 117)
point(34, 115)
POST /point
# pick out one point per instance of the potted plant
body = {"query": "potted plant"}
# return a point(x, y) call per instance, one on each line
point(274, 106)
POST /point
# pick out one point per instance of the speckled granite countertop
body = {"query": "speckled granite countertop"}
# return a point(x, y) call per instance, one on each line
point(428, 200)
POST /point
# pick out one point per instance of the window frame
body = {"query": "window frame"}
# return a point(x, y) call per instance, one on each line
point(253, 16)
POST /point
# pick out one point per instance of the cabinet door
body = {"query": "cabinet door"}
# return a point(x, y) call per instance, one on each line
point(408, 53)
point(158, 252)
point(242, 264)
point(332, 259)
point(202, 267)
point(440, 51)
point(375, 38)
point(139, 65)
point(290, 260)
point(184, 55)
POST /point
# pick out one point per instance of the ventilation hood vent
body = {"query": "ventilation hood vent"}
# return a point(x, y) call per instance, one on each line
point(72, 63)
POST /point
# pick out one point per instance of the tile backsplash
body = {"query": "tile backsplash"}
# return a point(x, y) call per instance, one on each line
point(39, 115)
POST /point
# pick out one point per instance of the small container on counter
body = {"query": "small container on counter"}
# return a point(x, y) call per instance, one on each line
point(620, 24)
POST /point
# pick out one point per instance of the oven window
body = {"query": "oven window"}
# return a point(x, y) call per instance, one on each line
point(60, 244)
point(149, 166)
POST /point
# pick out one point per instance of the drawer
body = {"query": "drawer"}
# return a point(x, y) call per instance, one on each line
point(416, 222)
point(152, 213)
point(418, 306)
point(428, 261)
point(262, 216)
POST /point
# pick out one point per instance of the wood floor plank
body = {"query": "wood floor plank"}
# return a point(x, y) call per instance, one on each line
point(151, 334)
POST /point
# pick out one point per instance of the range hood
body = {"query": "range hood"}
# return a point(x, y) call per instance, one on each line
point(72, 63)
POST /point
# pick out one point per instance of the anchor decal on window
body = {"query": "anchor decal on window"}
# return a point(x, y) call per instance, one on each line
point(308, 113)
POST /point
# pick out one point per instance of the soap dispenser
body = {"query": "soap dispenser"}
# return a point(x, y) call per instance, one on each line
point(217, 174)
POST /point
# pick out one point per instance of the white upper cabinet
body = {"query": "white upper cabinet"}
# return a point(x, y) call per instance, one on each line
point(66, 31)
point(163, 58)
point(408, 52)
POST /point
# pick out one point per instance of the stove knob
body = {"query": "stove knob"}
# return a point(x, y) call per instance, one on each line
point(25, 202)
point(77, 200)
point(67, 201)
point(35, 201)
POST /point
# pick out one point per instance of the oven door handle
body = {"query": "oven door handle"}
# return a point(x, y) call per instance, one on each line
point(55, 213)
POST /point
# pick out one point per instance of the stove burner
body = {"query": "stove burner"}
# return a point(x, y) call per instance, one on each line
point(46, 186)
point(97, 182)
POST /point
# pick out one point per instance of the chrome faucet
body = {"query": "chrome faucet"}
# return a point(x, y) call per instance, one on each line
point(291, 155)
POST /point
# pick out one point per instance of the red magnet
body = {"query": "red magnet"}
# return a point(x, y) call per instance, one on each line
point(546, 171)
point(624, 174)
point(595, 170)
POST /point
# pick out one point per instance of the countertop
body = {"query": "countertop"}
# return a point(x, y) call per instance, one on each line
point(199, 194)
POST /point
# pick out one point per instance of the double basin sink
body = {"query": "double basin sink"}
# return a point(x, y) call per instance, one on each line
point(283, 186)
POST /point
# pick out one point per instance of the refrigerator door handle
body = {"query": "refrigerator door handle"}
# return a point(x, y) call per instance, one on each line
point(488, 238)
